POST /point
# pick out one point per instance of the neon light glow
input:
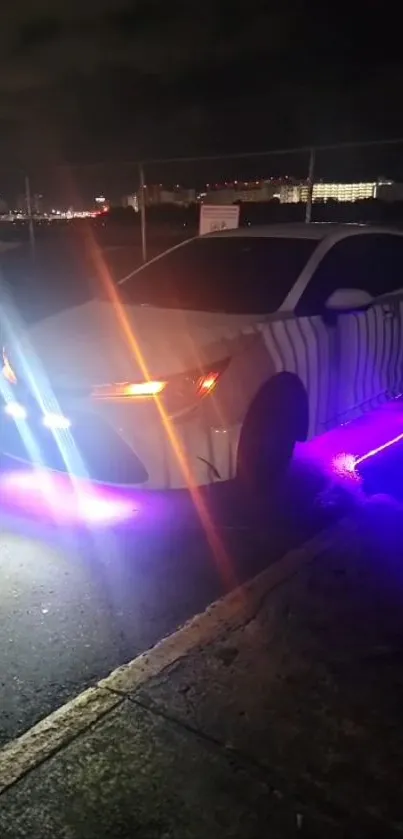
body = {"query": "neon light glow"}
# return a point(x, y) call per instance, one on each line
point(16, 411)
point(129, 390)
point(344, 465)
point(379, 449)
point(342, 452)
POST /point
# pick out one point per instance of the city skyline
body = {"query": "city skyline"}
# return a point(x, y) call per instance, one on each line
point(285, 190)
point(70, 185)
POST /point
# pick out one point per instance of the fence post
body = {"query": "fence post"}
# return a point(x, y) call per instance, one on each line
point(143, 214)
point(30, 219)
point(311, 176)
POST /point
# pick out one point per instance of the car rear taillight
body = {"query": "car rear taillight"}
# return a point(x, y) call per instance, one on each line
point(207, 382)
point(176, 393)
point(185, 391)
point(129, 390)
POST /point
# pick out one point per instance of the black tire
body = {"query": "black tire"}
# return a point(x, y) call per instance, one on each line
point(269, 433)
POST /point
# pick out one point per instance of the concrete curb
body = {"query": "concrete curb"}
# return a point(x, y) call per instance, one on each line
point(231, 611)
point(35, 746)
point(55, 731)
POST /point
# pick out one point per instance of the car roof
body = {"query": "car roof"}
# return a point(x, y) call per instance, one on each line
point(301, 230)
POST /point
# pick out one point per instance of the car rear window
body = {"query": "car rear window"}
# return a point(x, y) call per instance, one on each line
point(234, 274)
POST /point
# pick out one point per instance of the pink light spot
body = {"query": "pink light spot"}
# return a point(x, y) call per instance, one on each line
point(44, 493)
point(344, 464)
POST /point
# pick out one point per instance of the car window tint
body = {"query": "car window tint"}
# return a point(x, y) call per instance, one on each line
point(232, 274)
point(370, 262)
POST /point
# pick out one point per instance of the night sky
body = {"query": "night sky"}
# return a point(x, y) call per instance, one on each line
point(90, 80)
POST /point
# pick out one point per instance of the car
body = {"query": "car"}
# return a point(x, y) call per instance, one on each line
point(210, 361)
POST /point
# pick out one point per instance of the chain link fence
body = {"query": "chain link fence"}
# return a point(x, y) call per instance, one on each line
point(357, 182)
point(154, 204)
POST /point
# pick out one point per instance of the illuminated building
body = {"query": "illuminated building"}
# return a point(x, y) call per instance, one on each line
point(296, 193)
point(180, 196)
point(242, 191)
point(156, 195)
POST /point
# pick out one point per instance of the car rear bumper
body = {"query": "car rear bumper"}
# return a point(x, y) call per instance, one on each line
point(90, 449)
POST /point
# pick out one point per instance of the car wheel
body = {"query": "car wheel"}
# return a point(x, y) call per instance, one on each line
point(268, 436)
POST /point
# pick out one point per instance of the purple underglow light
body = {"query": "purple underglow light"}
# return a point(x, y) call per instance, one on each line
point(379, 449)
point(341, 450)
point(344, 466)
point(42, 493)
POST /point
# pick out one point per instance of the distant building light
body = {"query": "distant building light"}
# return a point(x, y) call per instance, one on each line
point(343, 192)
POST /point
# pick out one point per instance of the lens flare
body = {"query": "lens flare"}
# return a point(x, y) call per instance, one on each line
point(16, 410)
point(57, 421)
point(217, 546)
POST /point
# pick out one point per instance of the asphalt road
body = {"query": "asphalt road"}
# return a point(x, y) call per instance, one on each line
point(75, 604)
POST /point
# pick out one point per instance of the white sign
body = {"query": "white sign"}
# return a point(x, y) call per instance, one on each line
point(216, 217)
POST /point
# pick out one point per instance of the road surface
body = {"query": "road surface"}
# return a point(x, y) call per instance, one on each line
point(76, 603)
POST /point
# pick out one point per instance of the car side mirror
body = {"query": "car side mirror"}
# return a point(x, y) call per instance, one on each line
point(348, 300)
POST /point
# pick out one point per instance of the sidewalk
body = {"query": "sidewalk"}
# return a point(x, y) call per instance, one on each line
point(276, 714)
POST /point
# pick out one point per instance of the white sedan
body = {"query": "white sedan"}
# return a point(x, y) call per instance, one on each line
point(211, 360)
